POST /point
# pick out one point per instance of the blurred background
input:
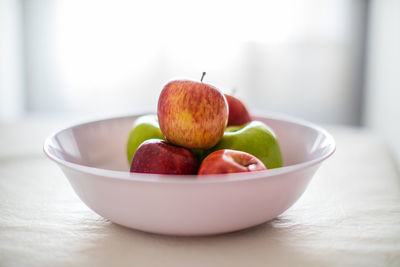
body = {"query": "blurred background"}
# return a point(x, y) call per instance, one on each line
point(327, 61)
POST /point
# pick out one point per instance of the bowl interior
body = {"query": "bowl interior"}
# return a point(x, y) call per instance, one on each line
point(102, 144)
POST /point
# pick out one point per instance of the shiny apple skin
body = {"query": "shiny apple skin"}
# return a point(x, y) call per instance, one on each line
point(157, 156)
point(255, 138)
point(192, 114)
point(229, 161)
point(144, 127)
point(238, 113)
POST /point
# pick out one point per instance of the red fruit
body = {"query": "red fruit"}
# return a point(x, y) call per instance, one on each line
point(230, 161)
point(238, 114)
point(192, 114)
point(157, 156)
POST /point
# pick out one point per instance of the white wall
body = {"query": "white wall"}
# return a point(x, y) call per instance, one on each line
point(11, 69)
point(382, 108)
point(105, 57)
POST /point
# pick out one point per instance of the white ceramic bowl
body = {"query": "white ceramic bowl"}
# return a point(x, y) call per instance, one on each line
point(93, 158)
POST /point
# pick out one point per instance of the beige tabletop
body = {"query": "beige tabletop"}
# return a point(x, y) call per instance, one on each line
point(349, 215)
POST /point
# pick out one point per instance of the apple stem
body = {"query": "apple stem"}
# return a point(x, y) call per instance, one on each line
point(202, 76)
point(233, 91)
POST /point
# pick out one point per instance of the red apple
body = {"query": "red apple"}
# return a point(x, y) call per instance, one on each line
point(229, 161)
point(238, 114)
point(192, 114)
point(157, 156)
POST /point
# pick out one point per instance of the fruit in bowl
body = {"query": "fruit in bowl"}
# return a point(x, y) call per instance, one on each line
point(144, 128)
point(187, 111)
point(229, 161)
point(192, 114)
point(238, 113)
point(255, 138)
point(157, 156)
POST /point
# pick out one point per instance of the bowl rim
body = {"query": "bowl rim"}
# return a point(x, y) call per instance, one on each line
point(214, 178)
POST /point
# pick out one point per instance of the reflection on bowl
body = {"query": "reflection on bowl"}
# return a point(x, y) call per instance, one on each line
point(93, 158)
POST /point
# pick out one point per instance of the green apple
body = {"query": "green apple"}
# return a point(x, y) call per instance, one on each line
point(255, 138)
point(144, 127)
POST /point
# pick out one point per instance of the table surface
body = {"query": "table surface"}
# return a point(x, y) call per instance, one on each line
point(349, 215)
